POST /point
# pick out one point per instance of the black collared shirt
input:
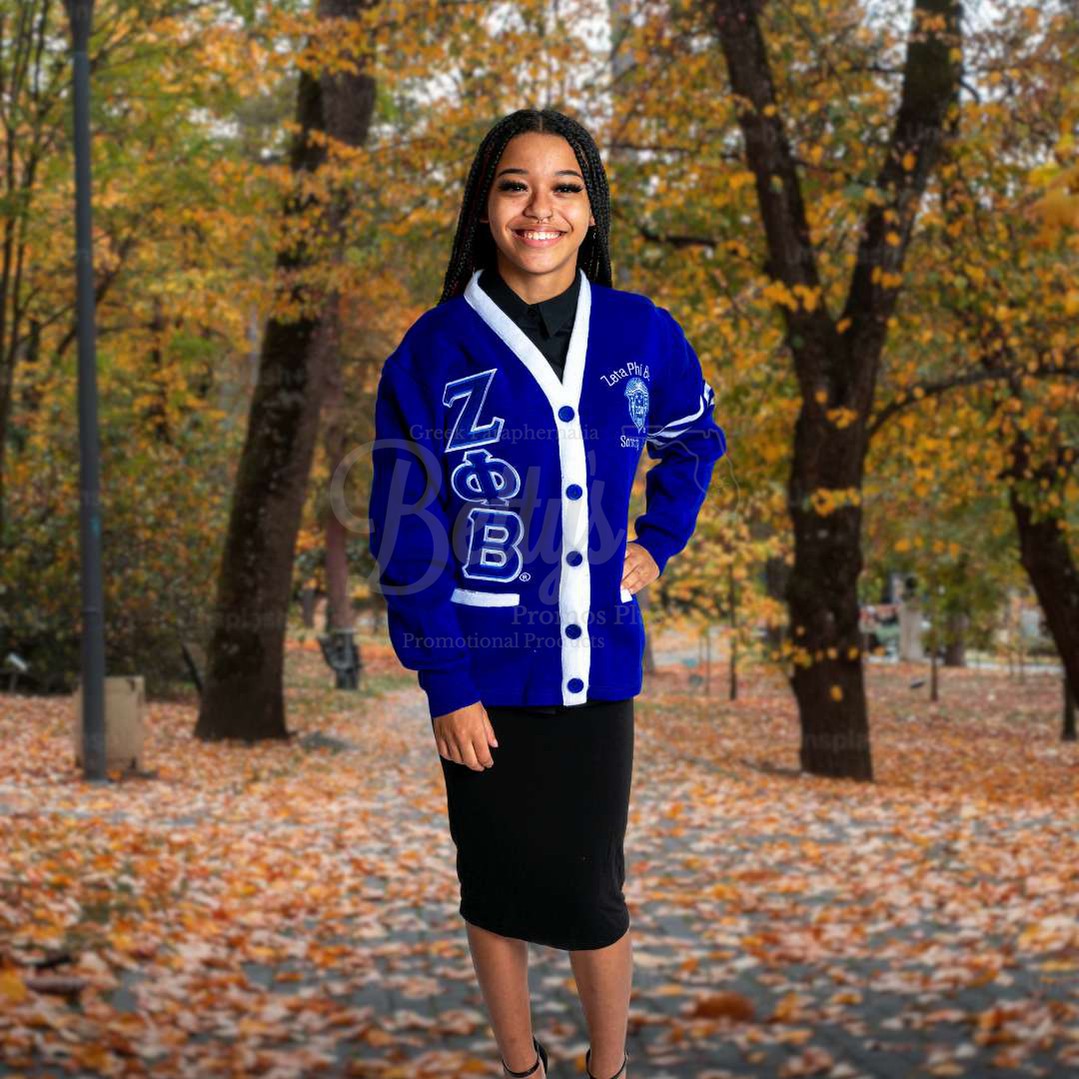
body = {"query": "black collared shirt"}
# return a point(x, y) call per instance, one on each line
point(548, 323)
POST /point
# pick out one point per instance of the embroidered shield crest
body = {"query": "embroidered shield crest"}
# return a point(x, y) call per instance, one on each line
point(637, 401)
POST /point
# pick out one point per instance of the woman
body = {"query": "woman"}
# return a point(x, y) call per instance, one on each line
point(526, 397)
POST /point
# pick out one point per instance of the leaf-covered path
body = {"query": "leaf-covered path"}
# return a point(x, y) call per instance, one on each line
point(292, 910)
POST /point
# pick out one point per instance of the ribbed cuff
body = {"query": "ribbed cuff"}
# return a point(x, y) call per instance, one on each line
point(448, 690)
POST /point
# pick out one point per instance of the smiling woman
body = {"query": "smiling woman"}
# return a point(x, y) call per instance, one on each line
point(539, 215)
point(529, 394)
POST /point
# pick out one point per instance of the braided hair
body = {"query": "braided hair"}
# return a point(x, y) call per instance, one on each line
point(474, 246)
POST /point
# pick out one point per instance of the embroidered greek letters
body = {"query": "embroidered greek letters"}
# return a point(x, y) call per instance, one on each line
point(495, 532)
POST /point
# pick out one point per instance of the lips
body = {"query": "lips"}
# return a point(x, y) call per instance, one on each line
point(533, 242)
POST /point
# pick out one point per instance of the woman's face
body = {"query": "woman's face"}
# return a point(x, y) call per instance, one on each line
point(538, 211)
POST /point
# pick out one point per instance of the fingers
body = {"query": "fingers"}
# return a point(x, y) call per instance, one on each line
point(639, 568)
point(491, 739)
point(465, 736)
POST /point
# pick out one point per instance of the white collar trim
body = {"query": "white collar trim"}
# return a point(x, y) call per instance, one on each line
point(564, 392)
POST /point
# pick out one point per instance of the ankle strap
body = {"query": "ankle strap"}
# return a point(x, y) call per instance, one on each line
point(521, 1075)
point(587, 1068)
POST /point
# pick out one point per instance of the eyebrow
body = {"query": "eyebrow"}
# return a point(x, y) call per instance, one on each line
point(524, 172)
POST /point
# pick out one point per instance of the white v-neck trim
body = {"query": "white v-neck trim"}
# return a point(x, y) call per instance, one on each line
point(575, 586)
point(564, 391)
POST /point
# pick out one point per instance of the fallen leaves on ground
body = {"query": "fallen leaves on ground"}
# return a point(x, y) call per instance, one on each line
point(290, 909)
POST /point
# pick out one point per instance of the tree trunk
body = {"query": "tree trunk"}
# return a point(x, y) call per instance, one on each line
point(776, 575)
point(1044, 551)
point(243, 694)
point(339, 609)
point(955, 651)
point(822, 593)
point(308, 599)
point(1068, 732)
point(836, 368)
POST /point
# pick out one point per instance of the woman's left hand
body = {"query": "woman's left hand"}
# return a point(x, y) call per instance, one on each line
point(639, 568)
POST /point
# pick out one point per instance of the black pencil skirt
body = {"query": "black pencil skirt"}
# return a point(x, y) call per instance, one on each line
point(540, 834)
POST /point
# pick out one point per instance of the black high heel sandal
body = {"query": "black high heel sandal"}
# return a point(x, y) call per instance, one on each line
point(588, 1061)
point(541, 1055)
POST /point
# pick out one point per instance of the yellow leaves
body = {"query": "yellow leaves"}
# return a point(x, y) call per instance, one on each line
point(12, 988)
point(885, 279)
point(826, 500)
point(735, 181)
point(1058, 208)
point(777, 292)
point(843, 325)
point(835, 692)
point(841, 417)
point(910, 159)
point(797, 296)
point(974, 272)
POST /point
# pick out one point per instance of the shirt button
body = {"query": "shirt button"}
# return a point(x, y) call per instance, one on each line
point(574, 490)
point(573, 630)
point(575, 558)
point(565, 413)
point(575, 685)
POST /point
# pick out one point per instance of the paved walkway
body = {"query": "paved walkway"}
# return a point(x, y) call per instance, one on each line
point(782, 926)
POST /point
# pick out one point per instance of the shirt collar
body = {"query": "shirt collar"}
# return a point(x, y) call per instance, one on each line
point(553, 313)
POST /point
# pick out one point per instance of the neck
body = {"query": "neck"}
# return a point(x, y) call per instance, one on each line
point(537, 287)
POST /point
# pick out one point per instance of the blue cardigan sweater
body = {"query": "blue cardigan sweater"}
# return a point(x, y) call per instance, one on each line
point(500, 495)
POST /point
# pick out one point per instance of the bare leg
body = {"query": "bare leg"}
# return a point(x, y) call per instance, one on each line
point(501, 965)
point(604, 978)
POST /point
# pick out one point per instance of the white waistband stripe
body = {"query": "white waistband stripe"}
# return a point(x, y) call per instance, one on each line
point(485, 599)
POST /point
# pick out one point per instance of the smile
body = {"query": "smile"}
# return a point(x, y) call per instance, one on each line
point(538, 237)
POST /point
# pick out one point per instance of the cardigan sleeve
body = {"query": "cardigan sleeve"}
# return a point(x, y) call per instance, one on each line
point(686, 441)
point(410, 542)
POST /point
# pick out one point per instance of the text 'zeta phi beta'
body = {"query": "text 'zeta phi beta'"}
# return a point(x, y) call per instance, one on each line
point(496, 532)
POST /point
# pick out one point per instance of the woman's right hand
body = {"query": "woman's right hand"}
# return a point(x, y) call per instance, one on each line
point(464, 735)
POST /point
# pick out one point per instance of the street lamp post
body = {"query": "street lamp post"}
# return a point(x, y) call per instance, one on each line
point(80, 14)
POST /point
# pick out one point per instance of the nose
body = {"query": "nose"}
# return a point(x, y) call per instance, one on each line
point(540, 207)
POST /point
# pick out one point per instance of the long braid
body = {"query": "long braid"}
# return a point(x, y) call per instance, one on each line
point(473, 245)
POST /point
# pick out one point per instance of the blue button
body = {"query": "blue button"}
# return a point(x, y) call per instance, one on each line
point(574, 490)
point(575, 558)
point(565, 413)
point(575, 685)
point(573, 630)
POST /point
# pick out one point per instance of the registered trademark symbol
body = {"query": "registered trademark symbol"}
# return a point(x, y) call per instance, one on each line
point(526, 577)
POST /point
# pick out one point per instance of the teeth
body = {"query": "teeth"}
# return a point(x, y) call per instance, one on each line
point(539, 235)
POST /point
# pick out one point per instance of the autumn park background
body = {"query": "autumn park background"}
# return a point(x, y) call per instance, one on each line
point(853, 845)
